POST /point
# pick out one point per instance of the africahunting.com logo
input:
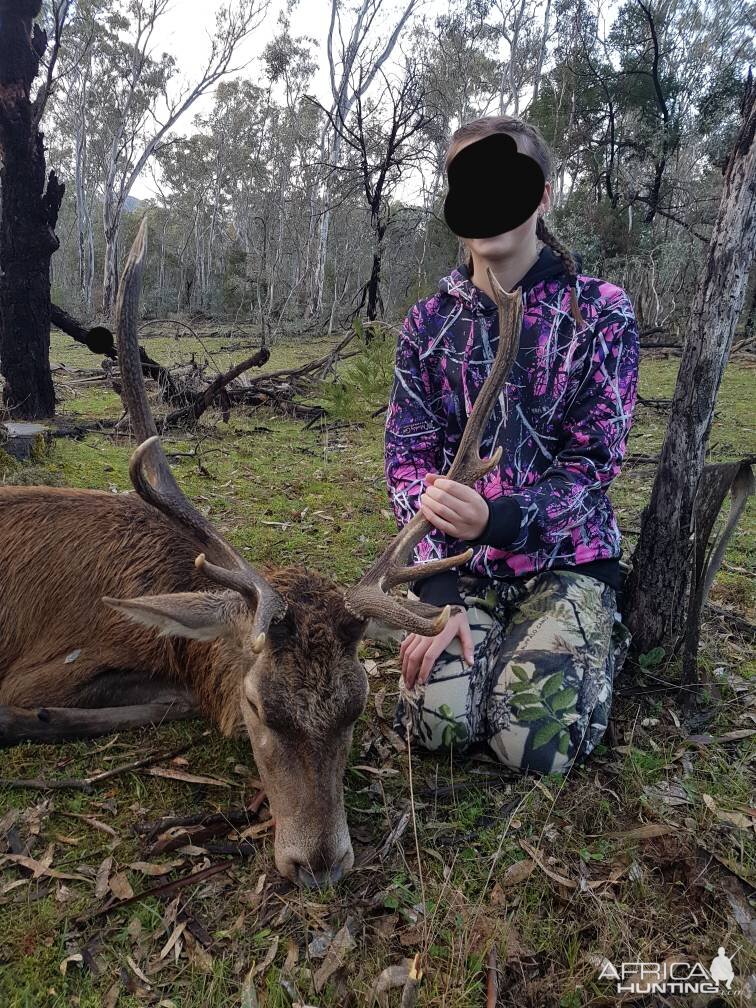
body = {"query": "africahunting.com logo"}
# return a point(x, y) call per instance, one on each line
point(673, 976)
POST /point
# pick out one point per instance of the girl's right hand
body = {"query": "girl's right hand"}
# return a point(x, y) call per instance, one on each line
point(418, 654)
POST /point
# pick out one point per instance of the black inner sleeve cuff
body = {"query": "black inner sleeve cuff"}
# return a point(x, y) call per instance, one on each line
point(504, 520)
point(439, 589)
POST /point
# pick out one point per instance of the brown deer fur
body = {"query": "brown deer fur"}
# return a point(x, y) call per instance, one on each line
point(116, 545)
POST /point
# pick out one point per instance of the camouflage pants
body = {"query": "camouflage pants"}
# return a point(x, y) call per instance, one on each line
point(540, 688)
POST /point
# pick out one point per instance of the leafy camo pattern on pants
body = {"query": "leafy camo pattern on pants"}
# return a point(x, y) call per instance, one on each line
point(546, 651)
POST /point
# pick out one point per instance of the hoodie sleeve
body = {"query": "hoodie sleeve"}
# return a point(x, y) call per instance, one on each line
point(414, 441)
point(570, 493)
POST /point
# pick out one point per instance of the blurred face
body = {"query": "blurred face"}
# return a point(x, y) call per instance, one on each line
point(503, 246)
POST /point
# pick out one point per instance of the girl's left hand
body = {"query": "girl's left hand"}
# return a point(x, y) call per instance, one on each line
point(453, 507)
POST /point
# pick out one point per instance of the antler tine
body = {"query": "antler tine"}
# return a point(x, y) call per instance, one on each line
point(151, 474)
point(369, 597)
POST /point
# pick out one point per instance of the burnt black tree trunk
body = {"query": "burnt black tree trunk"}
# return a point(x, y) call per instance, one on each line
point(374, 299)
point(29, 211)
point(659, 587)
point(384, 142)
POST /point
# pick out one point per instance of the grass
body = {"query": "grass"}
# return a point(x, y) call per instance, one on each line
point(284, 494)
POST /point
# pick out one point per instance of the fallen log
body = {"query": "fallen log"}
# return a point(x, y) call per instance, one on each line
point(55, 724)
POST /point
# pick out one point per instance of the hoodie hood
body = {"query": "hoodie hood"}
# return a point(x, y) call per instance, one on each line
point(548, 266)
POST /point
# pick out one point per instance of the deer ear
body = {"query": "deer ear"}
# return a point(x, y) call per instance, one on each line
point(204, 616)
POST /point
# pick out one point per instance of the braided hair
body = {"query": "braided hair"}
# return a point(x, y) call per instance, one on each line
point(533, 144)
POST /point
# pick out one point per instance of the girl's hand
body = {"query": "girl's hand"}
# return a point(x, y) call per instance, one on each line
point(418, 654)
point(453, 507)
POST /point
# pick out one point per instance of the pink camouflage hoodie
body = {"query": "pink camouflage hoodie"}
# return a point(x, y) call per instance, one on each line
point(569, 404)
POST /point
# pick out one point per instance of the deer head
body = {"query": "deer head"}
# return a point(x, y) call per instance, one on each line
point(292, 635)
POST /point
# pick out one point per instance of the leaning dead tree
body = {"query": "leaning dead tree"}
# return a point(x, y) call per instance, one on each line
point(663, 581)
point(29, 206)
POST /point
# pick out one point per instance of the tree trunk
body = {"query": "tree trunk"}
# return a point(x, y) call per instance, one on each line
point(316, 298)
point(28, 214)
point(659, 587)
point(374, 302)
point(111, 220)
point(83, 221)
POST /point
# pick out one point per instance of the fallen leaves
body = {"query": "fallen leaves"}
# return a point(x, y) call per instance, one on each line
point(155, 870)
point(172, 940)
point(94, 823)
point(41, 868)
point(120, 886)
point(189, 778)
point(343, 942)
point(645, 832)
point(388, 979)
point(740, 820)
point(102, 876)
point(407, 974)
point(76, 957)
point(517, 873)
point(569, 883)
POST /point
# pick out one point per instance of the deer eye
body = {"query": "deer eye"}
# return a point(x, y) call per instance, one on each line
point(251, 699)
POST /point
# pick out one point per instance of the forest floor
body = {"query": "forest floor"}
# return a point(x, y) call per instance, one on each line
point(647, 854)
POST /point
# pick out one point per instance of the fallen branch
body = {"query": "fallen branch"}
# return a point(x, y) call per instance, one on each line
point(206, 398)
point(157, 890)
point(87, 783)
point(99, 340)
point(242, 849)
point(319, 367)
point(233, 817)
point(492, 981)
point(737, 621)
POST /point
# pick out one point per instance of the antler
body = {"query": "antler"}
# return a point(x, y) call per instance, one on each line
point(370, 596)
point(151, 474)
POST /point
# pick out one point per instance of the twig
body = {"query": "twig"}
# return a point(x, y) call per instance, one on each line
point(53, 724)
point(233, 817)
point(157, 890)
point(87, 783)
point(730, 617)
point(243, 849)
point(492, 985)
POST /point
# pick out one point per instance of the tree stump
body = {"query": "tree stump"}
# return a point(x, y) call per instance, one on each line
point(23, 440)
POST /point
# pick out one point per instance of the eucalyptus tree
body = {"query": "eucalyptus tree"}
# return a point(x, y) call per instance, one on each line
point(140, 95)
point(669, 553)
point(355, 41)
point(384, 138)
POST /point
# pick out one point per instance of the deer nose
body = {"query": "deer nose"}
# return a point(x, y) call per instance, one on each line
point(307, 875)
point(315, 880)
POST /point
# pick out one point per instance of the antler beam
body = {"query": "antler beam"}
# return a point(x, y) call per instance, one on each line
point(370, 597)
point(151, 474)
